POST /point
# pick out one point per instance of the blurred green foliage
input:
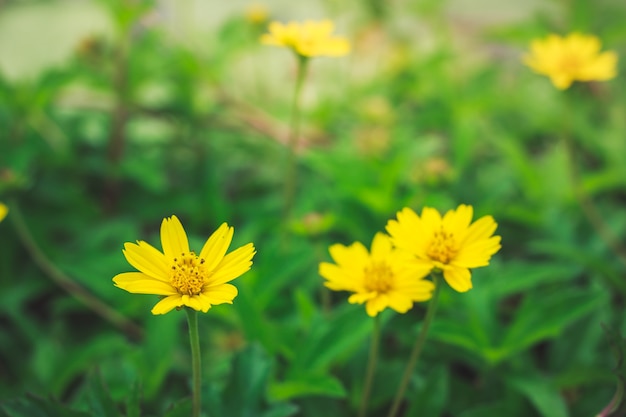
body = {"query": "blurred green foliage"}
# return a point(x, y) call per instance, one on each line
point(138, 125)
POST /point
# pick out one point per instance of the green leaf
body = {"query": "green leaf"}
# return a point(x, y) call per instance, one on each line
point(100, 402)
point(181, 408)
point(541, 393)
point(546, 315)
point(31, 406)
point(433, 394)
point(331, 338)
point(308, 385)
point(245, 391)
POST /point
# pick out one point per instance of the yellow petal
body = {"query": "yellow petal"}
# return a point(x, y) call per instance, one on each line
point(3, 211)
point(233, 265)
point(216, 246)
point(220, 294)
point(399, 302)
point(340, 279)
point(139, 283)
point(381, 247)
point(146, 259)
point(167, 304)
point(173, 238)
point(192, 301)
point(361, 297)
point(376, 305)
point(459, 279)
point(354, 257)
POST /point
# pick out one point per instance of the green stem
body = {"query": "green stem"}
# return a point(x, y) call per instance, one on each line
point(291, 173)
point(371, 366)
point(194, 340)
point(65, 282)
point(417, 348)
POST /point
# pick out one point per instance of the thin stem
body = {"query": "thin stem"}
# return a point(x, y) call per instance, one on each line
point(65, 282)
point(291, 174)
point(417, 348)
point(194, 340)
point(371, 366)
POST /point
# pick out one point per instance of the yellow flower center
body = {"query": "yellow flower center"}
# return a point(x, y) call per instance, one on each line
point(378, 277)
point(443, 247)
point(569, 63)
point(188, 273)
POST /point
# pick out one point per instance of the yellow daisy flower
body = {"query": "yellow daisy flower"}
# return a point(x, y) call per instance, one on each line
point(449, 244)
point(3, 211)
point(184, 278)
point(307, 39)
point(575, 57)
point(383, 278)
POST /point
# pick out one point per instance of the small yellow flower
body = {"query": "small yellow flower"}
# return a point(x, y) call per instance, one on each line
point(307, 39)
point(184, 278)
point(449, 244)
point(383, 278)
point(3, 211)
point(575, 57)
point(256, 13)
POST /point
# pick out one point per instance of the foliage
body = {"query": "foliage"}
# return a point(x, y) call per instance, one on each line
point(138, 125)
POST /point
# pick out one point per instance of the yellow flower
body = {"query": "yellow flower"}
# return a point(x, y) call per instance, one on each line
point(3, 211)
point(383, 278)
point(307, 39)
point(184, 278)
point(575, 57)
point(449, 244)
point(256, 13)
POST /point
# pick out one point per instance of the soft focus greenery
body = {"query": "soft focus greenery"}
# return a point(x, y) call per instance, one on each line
point(155, 113)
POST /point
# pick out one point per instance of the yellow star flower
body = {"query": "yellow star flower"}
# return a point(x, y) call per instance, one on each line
point(3, 211)
point(575, 57)
point(307, 39)
point(383, 278)
point(449, 244)
point(184, 278)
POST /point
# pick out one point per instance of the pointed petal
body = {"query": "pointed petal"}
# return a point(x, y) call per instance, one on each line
point(459, 279)
point(381, 247)
point(140, 283)
point(167, 304)
point(233, 265)
point(173, 238)
point(216, 246)
point(220, 294)
point(146, 259)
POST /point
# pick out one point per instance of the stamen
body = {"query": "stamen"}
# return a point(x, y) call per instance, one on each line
point(443, 247)
point(378, 277)
point(188, 274)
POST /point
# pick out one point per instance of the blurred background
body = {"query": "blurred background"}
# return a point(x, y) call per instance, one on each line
point(116, 114)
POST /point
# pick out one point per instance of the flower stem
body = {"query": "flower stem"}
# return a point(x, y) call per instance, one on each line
point(371, 366)
point(194, 340)
point(417, 348)
point(291, 173)
point(61, 279)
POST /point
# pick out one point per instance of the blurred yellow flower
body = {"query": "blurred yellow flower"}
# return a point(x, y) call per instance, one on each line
point(307, 39)
point(383, 278)
point(449, 244)
point(575, 57)
point(184, 278)
point(3, 211)
point(256, 13)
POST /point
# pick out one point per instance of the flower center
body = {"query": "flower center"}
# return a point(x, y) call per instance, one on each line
point(378, 277)
point(443, 247)
point(569, 63)
point(188, 273)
